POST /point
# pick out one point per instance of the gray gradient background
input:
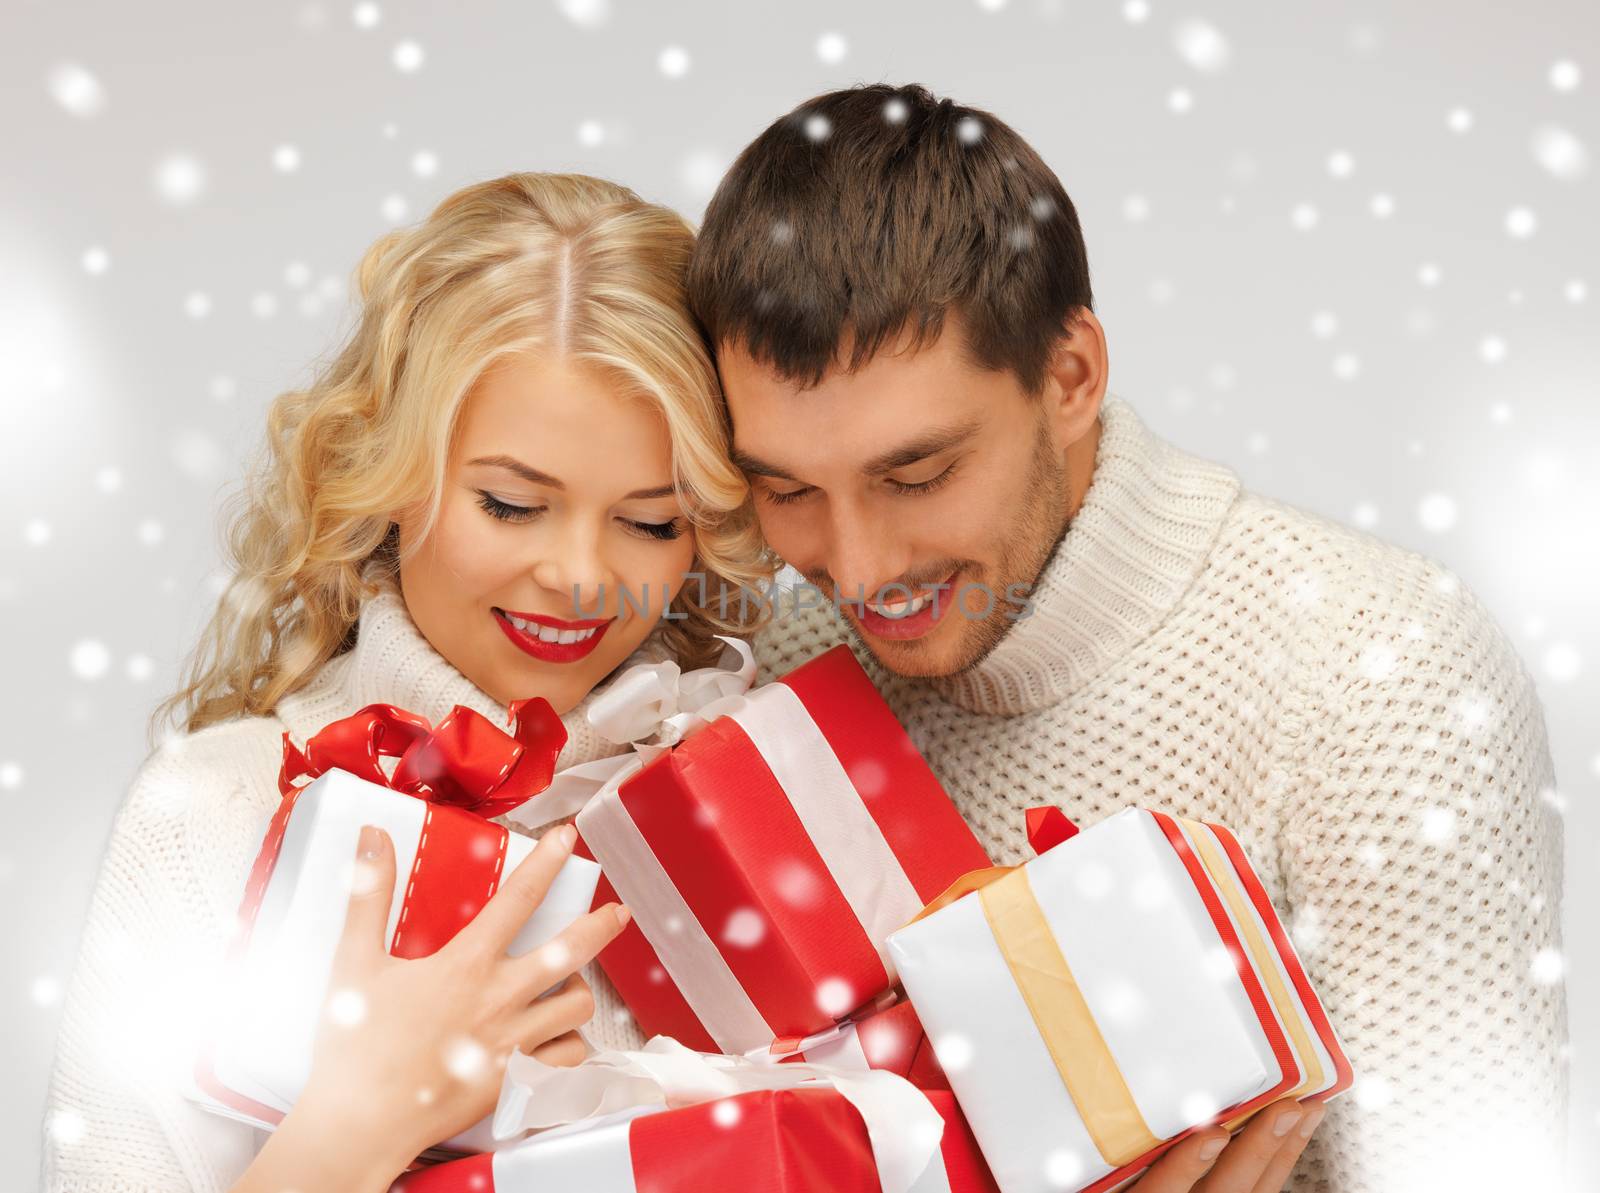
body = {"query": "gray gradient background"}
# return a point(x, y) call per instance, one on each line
point(128, 404)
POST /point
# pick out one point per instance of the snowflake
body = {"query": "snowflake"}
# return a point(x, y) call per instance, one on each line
point(1561, 154)
point(408, 57)
point(180, 179)
point(77, 90)
point(424, 163)
point(1565, 75)
point(89, 659)
point(745, 928)
point(1202, 46)
point(832, 48)
point(366, 16)
point(673, 62)
point(1521, 223)
point(1548, 967)
point(1437, 512)
point(95, 260)
point(286, 159)
point(1562, 662)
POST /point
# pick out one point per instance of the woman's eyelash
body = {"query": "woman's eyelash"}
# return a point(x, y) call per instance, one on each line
point(661, 531)
point(504, 510)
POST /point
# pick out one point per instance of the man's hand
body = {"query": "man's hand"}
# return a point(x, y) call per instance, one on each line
point(1256, 1160)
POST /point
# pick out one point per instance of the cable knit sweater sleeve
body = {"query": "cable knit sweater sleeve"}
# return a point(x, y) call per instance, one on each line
point(1421, 856)
point(118, 1119)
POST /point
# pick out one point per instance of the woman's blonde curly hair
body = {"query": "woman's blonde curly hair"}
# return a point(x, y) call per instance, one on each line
point(552, 262)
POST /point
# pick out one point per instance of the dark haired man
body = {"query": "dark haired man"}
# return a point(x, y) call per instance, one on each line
point(1061, 607)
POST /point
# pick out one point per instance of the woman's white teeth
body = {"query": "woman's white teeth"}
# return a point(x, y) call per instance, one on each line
point(902, 608)
point(549, 633)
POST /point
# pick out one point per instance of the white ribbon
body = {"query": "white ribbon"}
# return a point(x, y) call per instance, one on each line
point(903, 1127)
point(652, 707)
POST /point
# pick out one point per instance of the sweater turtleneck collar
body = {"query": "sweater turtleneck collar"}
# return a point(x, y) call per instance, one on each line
point(1139, 540)
point(393, 663)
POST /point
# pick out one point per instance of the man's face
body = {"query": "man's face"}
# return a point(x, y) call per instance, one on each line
point(922, 492)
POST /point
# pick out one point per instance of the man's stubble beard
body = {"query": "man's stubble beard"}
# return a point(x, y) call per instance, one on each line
point(1035, 533)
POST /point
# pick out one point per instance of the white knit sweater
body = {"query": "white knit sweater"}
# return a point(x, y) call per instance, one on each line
point(1355, 716)
point(1345, 706)
point(165, 901)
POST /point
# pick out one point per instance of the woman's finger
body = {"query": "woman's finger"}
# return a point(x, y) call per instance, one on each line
point(563, 1052)
point(366, 917)
point(572, 948)
point(1245, 1159)
point(494, 928)
point(1283, 1162)
point(1182, 1164)
point(565, 1009)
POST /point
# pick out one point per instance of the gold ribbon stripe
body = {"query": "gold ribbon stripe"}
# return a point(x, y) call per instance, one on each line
point(1080, 1053)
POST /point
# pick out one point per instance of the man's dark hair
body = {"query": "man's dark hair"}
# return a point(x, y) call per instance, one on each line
point(875, 210)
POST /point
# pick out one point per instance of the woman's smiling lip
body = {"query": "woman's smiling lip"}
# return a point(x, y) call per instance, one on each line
point(558, 623)
point(532, 633)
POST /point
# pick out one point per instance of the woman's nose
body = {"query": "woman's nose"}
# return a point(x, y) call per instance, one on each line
point(576, 569)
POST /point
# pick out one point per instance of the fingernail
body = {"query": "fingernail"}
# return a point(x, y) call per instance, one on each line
point(1312, 1119)
point(1285, 1123)
point(623, 914)
point(1211, 1149)
point(566, 835)
point(367, 846)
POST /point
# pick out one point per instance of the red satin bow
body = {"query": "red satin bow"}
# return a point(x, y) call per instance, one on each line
point(465, 761)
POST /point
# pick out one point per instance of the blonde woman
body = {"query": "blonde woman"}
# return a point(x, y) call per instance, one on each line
point(495, 491)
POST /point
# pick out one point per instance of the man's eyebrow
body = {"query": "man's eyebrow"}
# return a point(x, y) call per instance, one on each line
point(929, 443)
point(534, 476)
point(745, 462)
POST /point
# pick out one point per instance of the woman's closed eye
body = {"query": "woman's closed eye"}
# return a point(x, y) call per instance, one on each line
point(664, 532)
point(505, 511)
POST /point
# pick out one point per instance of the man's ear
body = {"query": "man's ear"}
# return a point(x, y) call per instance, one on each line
point(1075, 381)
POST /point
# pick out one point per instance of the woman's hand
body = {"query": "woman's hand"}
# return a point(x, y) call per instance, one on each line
point(411, 1052)
point(1256, 1160)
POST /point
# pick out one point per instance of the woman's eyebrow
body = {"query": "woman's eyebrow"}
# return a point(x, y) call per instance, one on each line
point(534, 476)
point(526, 472)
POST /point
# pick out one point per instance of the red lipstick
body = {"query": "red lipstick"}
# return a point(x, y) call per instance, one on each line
point(581, 636)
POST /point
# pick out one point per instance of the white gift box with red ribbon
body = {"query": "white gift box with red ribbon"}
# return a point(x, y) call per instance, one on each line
point(1128, 986)
point(449, 861)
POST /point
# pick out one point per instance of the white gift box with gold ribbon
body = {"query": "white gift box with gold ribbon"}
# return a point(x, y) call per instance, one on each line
point(1126, 987)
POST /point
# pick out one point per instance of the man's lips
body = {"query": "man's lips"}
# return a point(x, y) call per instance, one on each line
point(524, 630)
point(940, 597)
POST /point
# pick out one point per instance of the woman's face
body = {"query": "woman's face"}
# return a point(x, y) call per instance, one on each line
point(560, 538)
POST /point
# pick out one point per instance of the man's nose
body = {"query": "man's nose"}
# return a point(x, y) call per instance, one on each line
point(864, 553)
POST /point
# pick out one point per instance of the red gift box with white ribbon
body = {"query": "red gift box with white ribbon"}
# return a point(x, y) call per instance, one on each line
point(890, 1038)
point(434, 797)
point(666, 1118)
point(767, 842)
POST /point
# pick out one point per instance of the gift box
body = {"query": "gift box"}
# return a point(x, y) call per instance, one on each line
point(434, 803)
point(808, 1138)
point(889, 1038)
point(766, 840)
point(1126, 987)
